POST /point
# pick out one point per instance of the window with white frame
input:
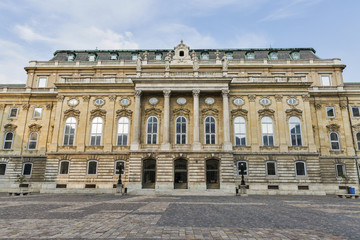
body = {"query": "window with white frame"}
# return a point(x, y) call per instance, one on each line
point(33, 140)
point(8, 140)
point(273, 56)
point(13, 112)
point(71, 57)
point(152, 130)
point(295, 131)
point(325, 80)
point(334, 141)
point(69, 132)
point(64, 167)
point(27, 169)
point(113, 56)
point(340, 170)
point(204, 56)
point(2, 169)
point(271, 168)
point(355, 111)
point(180, 134)
point(92, 167)
point(300, 169)
point(210, 130)
point(267, 130)
point(158, 56)
point(295, 55)
point(118, 165)
point(229, 55)
point(240, 131)
point(123, 131)
point(42, 82)
point(330, 112)
point(37, 112)
point(250, 55)
point(358, 140)
point(238, 167)
point(92, 57)
point(96, 131)
point(134, 57)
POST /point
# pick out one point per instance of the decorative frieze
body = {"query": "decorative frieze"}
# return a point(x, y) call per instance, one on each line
point(209, 112)
point(97, 113)
point(86, 98)
point(181, 112)
point(123, 113)
point(252, 98)
point(239, 113)
point(333, 127)
point(72, 113)
point(153, 112)
point(34, 127)
point(294, 112)
point(266, 112)
point(9, 127)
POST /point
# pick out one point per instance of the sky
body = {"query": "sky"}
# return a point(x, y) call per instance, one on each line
point(35, 29)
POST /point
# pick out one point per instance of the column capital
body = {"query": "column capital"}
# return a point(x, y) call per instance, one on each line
point(137, 93)
point(225, 92)
point(167, 92)
point(196, 92)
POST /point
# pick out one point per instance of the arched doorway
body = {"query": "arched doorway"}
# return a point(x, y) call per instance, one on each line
point(149, 173)
point(180, 174)
point(212, 174)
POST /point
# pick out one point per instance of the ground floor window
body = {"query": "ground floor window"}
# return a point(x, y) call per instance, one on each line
point(92, 167)
point(119, 165)
point(27, 169)
point(212, 174)
point(180, 174)
point(2, 169)
point(271, 168)
point(149, 173)
point(300, 168)
point(238, 166)
point(340, 170)
point(64, 167)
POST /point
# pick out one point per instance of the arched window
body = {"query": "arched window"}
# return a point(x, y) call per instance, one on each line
point(96, 131)
point(69, 133)
point(295, 131)
point(123, 131)
point(334, 141)
point(8, 140)
point(180, 130)
point(210, 130)
point(358, 140)
point(33, 139)
point(64, 167)
point(152, 130)
point(92, 167)
point(267, 131)
point(240, 131)
point(300, 168)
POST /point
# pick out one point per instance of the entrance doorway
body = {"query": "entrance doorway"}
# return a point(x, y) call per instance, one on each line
point(212, 174)
point(180, 174)
point(149, 173)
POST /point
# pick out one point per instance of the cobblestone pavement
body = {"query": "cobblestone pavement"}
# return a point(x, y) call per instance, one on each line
point(185, 217)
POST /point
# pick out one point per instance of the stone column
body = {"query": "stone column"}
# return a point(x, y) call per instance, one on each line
point(308, 124)
point(137, 122)
point(227, 144)
point(166, 126)
point(57, 124)
point(196, 145)
point(281, 136)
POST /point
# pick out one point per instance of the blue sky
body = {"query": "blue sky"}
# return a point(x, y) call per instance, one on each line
point(34, 29)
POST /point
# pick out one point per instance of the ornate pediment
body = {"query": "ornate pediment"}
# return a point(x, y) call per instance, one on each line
point(152, 112)
point(294, 112)
point(10, 127)
point(333, 127)
point(34, 127)
point(97, 113)
point(181, 112)
point(239, 113)
point(123, 113)
point(72, 113)
point(209, 112)
point(266, 112)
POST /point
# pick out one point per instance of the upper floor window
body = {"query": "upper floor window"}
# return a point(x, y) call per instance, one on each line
point(210, 130)
point(64, 167)
point(273, 56)
point(245, 165)
point(92, 57)
point(180, 130)
point(152, 130)
point(13, 112)
point(358, 140)
point(123, 131)
point(267, 131)
point(240, 131)
point(2, 169)
point(113, 56)
point(229, 55)
point(295, 131)
point(92, 167)
point(27, 169)
point(325, 80)
point(340, 170)
point(69, 134)
point(300, 168)
point(355, 111)
point(134, 57)
point(158, 56)
point(37, 112)
point(271, 168)
point(33, 139)
point(295, 55)
point(250, 55)
point(42, 82)
point(330, 112)
point(204, 56)
point(8, 140)
point(71, 57)
point(334, 141)
point(96, 131)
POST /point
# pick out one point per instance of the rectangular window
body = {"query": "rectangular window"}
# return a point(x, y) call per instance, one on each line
point(134, 57)
point(113, 57)
point(37, 112)
point(356, 111)
point(119, 165)
point(340, 170)
point(330, 112)
point(300, 169)
point(42, 82)
point(2, 169)
point(13, 112)
point(27, 169)
point(325, 80)
point(92, 58)
point(92, 167)
point(271, 168)
point(64, 167)
point(242, 163)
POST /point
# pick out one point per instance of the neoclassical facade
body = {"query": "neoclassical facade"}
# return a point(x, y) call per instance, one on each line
point(182, 121)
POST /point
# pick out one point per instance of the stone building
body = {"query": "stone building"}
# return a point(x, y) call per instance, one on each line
point(182, 120)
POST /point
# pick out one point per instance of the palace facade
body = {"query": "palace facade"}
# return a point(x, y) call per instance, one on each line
point(182, 121)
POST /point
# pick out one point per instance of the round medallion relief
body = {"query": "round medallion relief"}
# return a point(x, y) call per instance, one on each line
point(209, 101)
point(292, 101)
point(73, 102)
point(124, 102)
point(238, 101)
point(153, 101)
point(265, 101)
point(99, 102)
point(181, 101)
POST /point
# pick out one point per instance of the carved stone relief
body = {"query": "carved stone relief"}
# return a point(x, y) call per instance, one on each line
point(72, 113)
point(97, 113)
point(152, 112)
point(333, 127)
point(34, 127)
point(266, 112)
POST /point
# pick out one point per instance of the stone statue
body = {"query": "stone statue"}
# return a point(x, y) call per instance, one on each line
point(217, 53)
point(167, 62)
point(225, 63)
point(195, 61)
point(145, 56)
point(138, 63)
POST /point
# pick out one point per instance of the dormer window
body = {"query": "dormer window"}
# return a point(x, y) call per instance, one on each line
point(71, 57)
point(181, 53)
point(92, 57)
point(134, 57)
point(229, 55)
point(273, 56)
point(113, 56)
point(158, 56)
point(250, 55)
point(204, 56)
point(295, 55)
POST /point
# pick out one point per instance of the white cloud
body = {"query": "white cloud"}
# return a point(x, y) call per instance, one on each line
point(27, 34)
point(250, 40)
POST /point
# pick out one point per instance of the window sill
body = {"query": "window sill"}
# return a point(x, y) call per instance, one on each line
point(242, 148)
point(150, 146)
point(298, 148)
point(67, 148)
point(336, 152)
point(120, 148)
point(211, 146)
point(269, 148)
point(181, 146)
point(94, 148)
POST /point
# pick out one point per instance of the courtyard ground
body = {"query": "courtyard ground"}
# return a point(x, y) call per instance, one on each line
point(185, 217)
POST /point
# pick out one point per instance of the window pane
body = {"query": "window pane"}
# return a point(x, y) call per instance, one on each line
point(335, 146)
point(356, 112)
point(243, 141)
point(300, 169)
point(64, 168)
point(32, 145)
point(119, 165)
point(271, 169)
point(339, 168)
point(2, 169)
point(27, 169)
point(9, 136)
point(183, 141)
point(92, 168)
point(271, 141)
point(239, 167)
point(13, 112)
